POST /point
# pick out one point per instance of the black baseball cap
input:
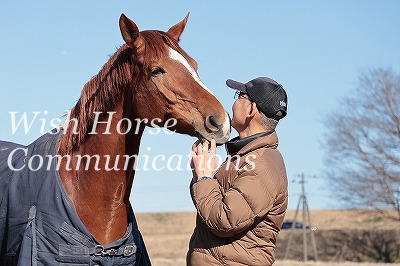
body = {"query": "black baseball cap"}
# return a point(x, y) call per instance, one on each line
point(270, 97)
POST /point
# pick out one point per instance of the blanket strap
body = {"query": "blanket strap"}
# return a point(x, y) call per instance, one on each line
point(32, 223)
point(90, 248)
point(126, 251)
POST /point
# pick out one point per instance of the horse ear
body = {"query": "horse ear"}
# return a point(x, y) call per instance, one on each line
point(176, 30)
point(130, 32)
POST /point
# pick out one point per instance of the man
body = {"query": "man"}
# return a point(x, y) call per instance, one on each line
point(241, 206)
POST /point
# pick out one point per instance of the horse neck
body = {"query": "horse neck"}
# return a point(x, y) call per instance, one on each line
point(101, 193)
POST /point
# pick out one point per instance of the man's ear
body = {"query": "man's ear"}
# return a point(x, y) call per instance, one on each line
point(253, 110)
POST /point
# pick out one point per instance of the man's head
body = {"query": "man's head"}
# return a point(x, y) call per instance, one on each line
point(269, 96)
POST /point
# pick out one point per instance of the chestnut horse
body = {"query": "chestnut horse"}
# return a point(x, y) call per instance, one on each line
point(149, 81)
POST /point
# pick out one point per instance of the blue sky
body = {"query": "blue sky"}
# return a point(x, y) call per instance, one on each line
point(316, 49)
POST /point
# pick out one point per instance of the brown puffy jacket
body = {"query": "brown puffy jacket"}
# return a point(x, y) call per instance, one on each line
point(241, 211)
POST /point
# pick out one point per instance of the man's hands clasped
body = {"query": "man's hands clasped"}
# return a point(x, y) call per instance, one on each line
point(203, 159)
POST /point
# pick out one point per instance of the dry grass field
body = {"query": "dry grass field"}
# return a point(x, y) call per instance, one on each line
point(167, 234)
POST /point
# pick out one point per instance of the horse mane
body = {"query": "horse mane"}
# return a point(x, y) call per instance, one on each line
point(102, 92)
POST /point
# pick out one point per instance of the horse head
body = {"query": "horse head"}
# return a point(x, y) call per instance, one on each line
point(169, 86)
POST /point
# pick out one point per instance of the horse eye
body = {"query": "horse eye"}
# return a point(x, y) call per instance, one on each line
point(156, 71)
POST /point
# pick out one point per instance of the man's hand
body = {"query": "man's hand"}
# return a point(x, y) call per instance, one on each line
point(203, 159)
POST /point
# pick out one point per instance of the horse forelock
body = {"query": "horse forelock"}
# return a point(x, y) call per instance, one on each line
point(102, 92)
point(157, 44)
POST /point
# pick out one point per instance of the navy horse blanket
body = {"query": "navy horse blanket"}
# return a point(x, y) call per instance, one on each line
point(38, 222)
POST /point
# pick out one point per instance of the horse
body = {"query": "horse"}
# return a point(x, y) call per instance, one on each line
point(60, 201)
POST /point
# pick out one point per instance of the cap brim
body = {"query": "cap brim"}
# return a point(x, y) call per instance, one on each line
point(236, 85)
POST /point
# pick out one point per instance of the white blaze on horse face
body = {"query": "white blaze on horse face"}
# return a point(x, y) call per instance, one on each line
point(226, 127)
point(178, 57)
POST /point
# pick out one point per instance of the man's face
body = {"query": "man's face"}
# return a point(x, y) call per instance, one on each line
point(241, 108)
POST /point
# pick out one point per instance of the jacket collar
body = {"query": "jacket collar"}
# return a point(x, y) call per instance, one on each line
point(236, 144)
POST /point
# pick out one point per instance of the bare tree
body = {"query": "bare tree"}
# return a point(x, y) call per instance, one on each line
point(362, 144)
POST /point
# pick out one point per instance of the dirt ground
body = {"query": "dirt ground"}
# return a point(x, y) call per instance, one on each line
point(167, 234)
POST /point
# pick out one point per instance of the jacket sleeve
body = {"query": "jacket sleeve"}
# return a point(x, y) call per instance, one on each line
point(249, 198)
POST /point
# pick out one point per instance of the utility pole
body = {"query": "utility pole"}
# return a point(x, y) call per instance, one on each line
point(306, 221)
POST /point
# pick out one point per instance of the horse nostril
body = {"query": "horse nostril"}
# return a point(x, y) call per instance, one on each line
point(212, 124)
